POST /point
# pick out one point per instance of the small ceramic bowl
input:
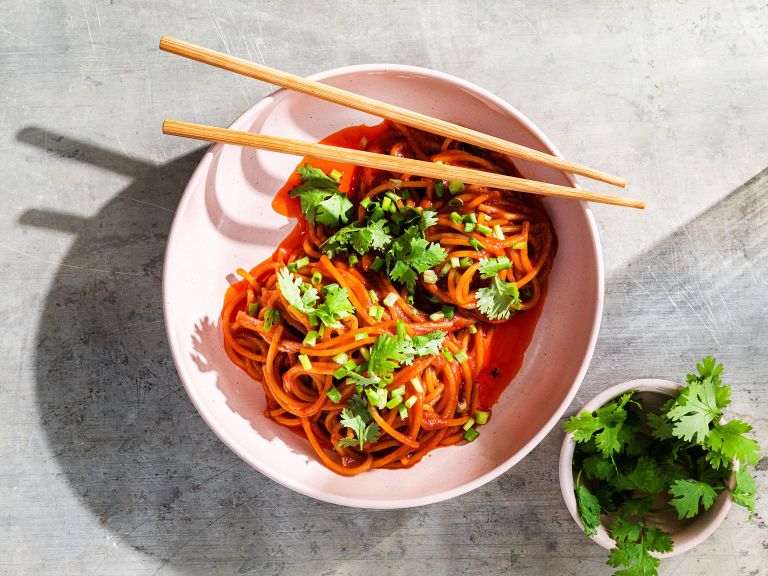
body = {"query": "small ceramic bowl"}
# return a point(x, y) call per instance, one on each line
point(225, 220)
point(685, 534)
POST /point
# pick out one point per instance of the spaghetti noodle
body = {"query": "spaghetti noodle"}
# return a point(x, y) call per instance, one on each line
point(370, 324)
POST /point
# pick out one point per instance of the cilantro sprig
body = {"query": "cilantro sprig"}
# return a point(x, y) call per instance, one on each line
point(321, 200)
point(498, 299)
point(387, 354)
point(627, 457)
point(303, 297)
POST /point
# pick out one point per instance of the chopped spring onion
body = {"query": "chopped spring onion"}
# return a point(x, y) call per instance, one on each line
point(377, 214)
point(377, 397)
point(253, 308)
point(316, 277)
point(334, 395)
point(350, 364)
point(481, 417)
point(374, 297)
point(271, 316)
point(468, 424)
point(475, 244)
point(321, 331)
point(341, 373)
point(396, 400)
point(399, 391)
point(484, 229)
point(311, 338)
point(396, 183)
point(430, 277)
point(366, 354)
point(298, 264)
point(411, 401)
point(435, 316)
point(313, 319)
point(439, 189)
point(461, 406)
point(417, 385)
point(498, 232)
point(376, 312)
point(455, 187)
point(520, 246)
point(377, 264)
point(471, 434)
point(445, 269)
point(456, 217)
point(361, 336)
point(340, 358)
point(335, 175)
point(391, 298)
point(469, 227)
point(471, 217)
point(353, 260)
point(455, 262)
point(402, 409)
point(365, 201)
point(455, 202)
point(461, 356)
point(305, 363)
point(448, 311)
point(472, 329)
point(447, 354)
point(386, 203)
point(466, 262)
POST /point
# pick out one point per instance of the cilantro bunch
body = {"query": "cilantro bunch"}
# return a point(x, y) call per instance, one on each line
point(632, 463)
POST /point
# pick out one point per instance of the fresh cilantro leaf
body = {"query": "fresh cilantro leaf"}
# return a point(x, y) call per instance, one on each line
point(412, 254)
point(729, 443)
point(599, 468)
point(404, 274)
point(696, 407)
point(489, 267)
point(291, 288)
point(310, 173)
point(589, 509)
point(357, 417)
point(687, 494)
point(361, 238)
point(320, 197)
point(583, 426)
point(335, 307)
point(745, 490)
point(634, 544)
point(661, 428)
point(496, 300)
point(428, 343)
point(428, 219)
point(387, 353)
point(645, 477)
point(637, 506)
point(623, 531)
point(333, 210)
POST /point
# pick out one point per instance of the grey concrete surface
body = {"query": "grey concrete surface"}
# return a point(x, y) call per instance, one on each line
point(106, 468)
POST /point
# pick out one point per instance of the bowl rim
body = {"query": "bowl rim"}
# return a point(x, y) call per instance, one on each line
point(317, 493)
point(602, 538)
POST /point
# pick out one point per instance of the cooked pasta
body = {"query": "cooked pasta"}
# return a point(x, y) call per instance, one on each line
point(370, 325)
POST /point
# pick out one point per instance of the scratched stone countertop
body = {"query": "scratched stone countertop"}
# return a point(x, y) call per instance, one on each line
point(105, 466)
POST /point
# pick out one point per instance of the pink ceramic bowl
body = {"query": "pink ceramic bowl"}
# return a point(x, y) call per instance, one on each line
point(685, 535)
point(225, 221)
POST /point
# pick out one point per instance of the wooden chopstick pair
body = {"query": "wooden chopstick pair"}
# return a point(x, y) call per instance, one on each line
point(394, 113)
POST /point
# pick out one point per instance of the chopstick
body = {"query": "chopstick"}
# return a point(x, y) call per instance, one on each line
point(390, 163)
point(378, 108)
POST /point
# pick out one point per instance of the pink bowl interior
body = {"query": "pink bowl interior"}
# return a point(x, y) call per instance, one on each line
point(225, 221)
